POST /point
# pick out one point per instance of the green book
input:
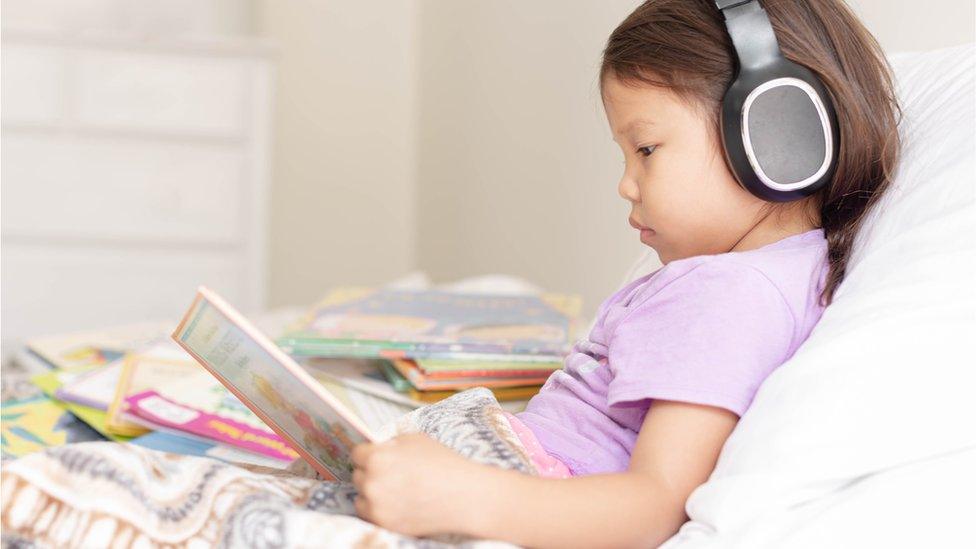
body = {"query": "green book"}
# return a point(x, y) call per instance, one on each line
point(396, 379)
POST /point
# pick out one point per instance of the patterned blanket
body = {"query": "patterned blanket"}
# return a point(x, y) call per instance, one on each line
point(102, 494)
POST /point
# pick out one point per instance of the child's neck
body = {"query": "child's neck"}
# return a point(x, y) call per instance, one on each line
point(773, 228)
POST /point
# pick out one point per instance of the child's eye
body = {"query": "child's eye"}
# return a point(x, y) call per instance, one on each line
point(646, 151)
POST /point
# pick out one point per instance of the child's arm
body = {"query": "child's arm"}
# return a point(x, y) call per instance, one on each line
point(676, 451)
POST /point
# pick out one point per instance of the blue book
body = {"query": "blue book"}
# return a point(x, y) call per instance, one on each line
point(170, 442)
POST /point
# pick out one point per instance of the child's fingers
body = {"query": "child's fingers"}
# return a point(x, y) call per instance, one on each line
point(360, 454)
point(362, 507)
point(358, 476)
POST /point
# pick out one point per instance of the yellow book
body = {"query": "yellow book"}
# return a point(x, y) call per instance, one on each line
point(142, 372)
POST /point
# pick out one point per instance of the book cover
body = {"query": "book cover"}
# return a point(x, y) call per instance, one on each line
point(189, 446)
point(93, 388)
point(432, 323)
point(158, 369)
point(95, 348)
point(37, 423)
point(51, 381)
point(157, 411)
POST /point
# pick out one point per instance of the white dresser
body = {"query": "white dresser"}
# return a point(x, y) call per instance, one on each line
point(132, 171)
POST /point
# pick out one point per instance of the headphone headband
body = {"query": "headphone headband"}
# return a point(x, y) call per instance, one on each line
point(751, 32)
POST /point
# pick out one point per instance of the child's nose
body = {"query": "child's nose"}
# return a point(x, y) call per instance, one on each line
point(628, 189)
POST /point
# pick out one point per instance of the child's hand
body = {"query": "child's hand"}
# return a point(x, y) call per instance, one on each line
point(414, 485)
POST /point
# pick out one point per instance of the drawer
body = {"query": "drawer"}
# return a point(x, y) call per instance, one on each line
point(60, 289)
point(32, 84)
point(161, 92)
point(111, 188)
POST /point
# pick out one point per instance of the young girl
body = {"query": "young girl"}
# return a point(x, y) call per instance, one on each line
point(637, 417)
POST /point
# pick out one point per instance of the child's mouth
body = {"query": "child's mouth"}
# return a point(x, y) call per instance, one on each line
point(639, 227)
point(645, 232)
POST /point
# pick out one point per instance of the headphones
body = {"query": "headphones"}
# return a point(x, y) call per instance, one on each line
point(779, 128)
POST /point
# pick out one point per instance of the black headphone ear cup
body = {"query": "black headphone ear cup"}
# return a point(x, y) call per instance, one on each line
point(785, 134)
point(779, 128)
point(780, 137)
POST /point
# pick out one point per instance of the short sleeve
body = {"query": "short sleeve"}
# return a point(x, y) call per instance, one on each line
point(622, 292)
point(709, 336)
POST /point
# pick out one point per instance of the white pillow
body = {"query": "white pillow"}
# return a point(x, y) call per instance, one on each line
point(887, 380)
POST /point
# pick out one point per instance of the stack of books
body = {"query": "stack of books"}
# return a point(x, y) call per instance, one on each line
point(381, 352)
point(430, 344)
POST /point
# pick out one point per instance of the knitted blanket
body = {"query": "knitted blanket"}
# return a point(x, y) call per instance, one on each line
point(103, 494)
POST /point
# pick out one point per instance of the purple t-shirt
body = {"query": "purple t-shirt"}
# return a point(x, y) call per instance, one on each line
point(706, 329)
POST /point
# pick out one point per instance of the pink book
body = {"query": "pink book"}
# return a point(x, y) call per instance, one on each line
point(158, 412)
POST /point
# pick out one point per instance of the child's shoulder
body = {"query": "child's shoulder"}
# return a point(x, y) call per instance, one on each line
point(794, 267)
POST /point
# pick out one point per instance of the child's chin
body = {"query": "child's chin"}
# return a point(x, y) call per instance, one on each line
point(663, 256)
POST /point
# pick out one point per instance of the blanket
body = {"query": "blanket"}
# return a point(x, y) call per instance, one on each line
point(104, 494)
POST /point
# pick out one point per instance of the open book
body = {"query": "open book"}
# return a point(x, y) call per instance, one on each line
point(290, 401)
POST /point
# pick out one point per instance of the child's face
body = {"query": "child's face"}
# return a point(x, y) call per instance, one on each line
point(675, 176)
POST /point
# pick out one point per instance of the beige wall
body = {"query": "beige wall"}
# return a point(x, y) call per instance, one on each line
point(499, 160)
point(343, 190)
point(517, 166)
point(903, 25)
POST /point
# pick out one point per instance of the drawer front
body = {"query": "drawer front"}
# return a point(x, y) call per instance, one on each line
point(55, 289)
point(62, 186)
point(32, 84)
point(133, 171)
point(159, 92)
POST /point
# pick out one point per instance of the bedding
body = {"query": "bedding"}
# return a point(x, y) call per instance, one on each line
point(104, 494)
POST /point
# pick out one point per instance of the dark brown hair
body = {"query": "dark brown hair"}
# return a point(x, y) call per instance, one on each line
point(682, 45)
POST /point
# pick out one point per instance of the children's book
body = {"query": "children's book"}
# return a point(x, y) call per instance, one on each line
point(158, 412)
point(434, 368)
point(189, 446)
point(97, 387)
point(50, 382)
point(184, 398)
point(362, 374)
point(156, 368)
point(397, 380)
point(503, 394)
point(391, 323)
point(375, 411)
point(94, 388)
point(95, 348)
point(37, 423)
point(421, 381)
point(319, 427)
